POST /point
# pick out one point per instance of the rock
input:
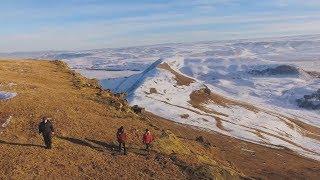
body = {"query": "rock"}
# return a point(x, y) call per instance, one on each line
point(136, 109)
point(162, 160)
point(307, 96)
point(80, 82)
point(207, 90)
point(184, 116)
point(201, 140)
point(279, 70)
point(121, 95)
point(153, 91)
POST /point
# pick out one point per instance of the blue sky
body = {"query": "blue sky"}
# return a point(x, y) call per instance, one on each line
point(34, 25)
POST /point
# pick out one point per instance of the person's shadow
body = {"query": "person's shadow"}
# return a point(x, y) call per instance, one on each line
point(108, 146)
point(93, 144)
point(100, 146)
point(20, 144)
point(79, 142)
point(114, 148)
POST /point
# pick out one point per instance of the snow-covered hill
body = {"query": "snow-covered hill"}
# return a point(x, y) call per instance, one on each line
point(247, 89)
point(234, 102)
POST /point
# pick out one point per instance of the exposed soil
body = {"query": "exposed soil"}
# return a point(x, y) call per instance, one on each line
point(153, 91)
point(181, 79)
point(199, 97)
point(184, 116)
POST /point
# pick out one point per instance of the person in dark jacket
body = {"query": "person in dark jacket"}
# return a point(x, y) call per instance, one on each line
point(147, 139)
point(122, 138)
point(46, 129)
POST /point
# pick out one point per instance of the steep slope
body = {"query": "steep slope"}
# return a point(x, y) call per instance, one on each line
point(86, 118)
point(167, 92)
point(128, 85)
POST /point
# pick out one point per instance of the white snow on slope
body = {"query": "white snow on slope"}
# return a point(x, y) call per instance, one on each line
point(267, 126)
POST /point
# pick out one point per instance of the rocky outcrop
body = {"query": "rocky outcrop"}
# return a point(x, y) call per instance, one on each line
point(311, 101)
point(77, 79)
point(279, 70)
point(137, 109)
point(314, 74)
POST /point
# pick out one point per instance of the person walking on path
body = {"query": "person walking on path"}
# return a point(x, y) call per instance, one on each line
point(147, 139)
point(122, 138)
point(46, 129)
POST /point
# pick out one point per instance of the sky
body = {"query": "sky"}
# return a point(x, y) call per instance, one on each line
point(36, 25)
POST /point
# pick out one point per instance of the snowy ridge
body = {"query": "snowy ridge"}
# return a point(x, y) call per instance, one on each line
point(128, 85)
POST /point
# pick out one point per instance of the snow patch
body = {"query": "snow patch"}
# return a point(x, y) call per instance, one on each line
point(6, 123)
point(7, 95)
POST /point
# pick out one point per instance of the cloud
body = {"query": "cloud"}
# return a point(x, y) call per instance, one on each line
point(92, 26)
point(123, 32)
point(301, 3)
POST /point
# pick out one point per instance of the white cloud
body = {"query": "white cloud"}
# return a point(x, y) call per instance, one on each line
point(159, 27)
point(301, 3)
point(121, 32)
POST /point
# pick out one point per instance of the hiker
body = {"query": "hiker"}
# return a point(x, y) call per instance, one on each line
point(122, 137)
point(147, 139)
point(46, 128)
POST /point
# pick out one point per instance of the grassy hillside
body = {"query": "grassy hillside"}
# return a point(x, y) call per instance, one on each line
point(86, 119)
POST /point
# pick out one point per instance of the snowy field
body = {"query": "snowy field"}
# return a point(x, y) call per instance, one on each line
point(255, 85)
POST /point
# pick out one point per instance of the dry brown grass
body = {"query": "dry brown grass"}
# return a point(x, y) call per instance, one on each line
point(181, 79)
point(199, 97)
point(48, 88)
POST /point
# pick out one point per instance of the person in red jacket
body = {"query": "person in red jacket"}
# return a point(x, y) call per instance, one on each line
point(147, 139)
point(122, 138)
